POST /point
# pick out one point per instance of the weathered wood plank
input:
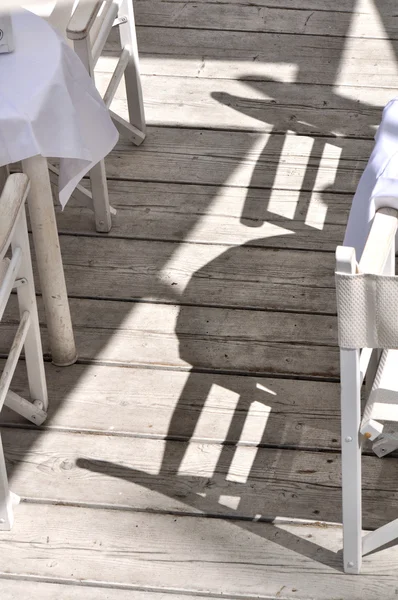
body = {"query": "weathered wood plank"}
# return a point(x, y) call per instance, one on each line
point(238, 158)
point(197, 555)
point(248, 17)
point(209, 214)
point(230, 340)
point(142, 402)
point(255, 55)
point(213, 275)
point(15, 589)
point(157, 475)
point(256, 105)
point(388, 6)
point(123, 548)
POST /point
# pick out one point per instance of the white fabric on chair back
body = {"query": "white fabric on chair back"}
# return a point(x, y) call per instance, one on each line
point(378, 186)
point(367, 310)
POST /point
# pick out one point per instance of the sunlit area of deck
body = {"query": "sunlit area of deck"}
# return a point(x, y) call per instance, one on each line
point(194, 448)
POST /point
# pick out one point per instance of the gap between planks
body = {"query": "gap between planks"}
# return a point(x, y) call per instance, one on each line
point(47, 588)
point(199, 275)
point(208, 339)
point(257, 106)
point(148, 475)
point(206, 556)
point(245, 17)
point(210, 407)
point(212, 215)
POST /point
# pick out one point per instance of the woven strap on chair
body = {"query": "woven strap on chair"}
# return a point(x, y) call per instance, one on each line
point(367, 307)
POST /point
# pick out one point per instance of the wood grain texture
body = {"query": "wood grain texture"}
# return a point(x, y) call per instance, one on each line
point(388, 6)
point(298, 58)
point(17, 589)
point(241, 277)
point(240, 159)
point(254, 105)
point(202, 555)
point(232, 340)
point(248, 17)
point(168, 476)
point(262, 120)
point(211, 214)
point(142, 402)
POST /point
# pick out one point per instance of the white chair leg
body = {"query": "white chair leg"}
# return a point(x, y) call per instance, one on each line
point(99, 186)
point(18, 274)
point(100, 197)
point(351, 459)
point(128, 38)
point(7, 498)
point(27, 302)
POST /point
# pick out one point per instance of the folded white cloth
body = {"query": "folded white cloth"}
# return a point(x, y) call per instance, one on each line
point(49, 104)
point(378, 186)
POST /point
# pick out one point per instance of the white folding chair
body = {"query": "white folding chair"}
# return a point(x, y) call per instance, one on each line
point(367, 308)
point(88, 24)
point(16, 273)
point(89, 29)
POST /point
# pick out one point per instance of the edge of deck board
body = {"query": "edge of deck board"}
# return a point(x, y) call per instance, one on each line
point(209, 556)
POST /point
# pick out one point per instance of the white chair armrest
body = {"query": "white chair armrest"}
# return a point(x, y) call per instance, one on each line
point(83, 19)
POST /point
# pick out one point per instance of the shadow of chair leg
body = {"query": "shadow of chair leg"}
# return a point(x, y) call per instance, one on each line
point(184, 421)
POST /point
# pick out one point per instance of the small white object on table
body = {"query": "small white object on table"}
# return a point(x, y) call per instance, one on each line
point(6, 36)
point(49, 107)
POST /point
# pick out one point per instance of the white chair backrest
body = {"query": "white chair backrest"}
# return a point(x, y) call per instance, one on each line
point(57, 13)
point(367, 299)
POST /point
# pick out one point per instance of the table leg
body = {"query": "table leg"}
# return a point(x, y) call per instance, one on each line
point(49, 262)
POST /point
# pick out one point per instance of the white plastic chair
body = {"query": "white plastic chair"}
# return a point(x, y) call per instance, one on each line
point(16, 273)
point(367, 308)
point(88, 24)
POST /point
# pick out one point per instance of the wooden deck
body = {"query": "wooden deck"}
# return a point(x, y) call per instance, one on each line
point(193, 451)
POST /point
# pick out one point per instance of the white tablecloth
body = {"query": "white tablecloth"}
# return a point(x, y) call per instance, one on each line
point(378, 186)
point(49, 104)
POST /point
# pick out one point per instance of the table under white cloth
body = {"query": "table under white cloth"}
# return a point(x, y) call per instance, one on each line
point(49, 107)
point(378, 186)
point(49, 104)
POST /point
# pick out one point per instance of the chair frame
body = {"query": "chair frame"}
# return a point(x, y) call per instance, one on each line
point(16, 273)
point(378, 258)
point(88, 29)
